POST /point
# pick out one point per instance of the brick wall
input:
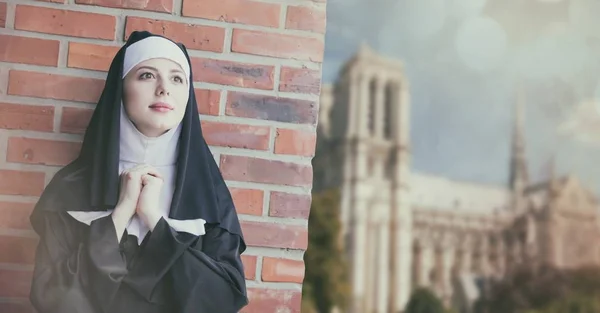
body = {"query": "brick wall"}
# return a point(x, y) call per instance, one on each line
point(257, 67)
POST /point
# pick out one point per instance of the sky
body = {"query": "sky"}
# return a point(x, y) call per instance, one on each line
point(464, 60)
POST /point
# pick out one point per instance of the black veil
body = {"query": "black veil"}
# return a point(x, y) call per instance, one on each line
point(91, 182)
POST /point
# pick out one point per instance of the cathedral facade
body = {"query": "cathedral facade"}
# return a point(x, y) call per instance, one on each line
point(402, 230)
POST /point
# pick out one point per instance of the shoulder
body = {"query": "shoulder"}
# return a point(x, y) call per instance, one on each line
point(66, 188)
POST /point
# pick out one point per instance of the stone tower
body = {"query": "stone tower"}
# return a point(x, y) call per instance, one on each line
point(519, 176)
point(364, 151)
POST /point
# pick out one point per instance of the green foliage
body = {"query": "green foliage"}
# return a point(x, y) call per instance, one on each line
point(424, 301)
point(325, 281)
point(574, 303)
point(308, 304)
point(545, 290)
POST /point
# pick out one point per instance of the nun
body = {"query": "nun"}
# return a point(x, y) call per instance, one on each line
point(141, 221)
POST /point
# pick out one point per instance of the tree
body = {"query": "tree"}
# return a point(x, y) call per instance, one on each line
point(574, 304)
point(545, 290)
point(325, 281)
point(424, 301)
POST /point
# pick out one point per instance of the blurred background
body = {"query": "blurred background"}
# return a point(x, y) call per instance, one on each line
point(456, 158)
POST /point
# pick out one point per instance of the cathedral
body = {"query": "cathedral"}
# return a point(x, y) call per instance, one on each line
point(402, 230)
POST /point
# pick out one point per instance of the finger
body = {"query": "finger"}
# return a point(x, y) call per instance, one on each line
point(145, 179)
point(133, 175)
point(148, 176)
point(144, 169)
point(154, 172)
point(137, 171)
point(148, 179)
point(147, 169)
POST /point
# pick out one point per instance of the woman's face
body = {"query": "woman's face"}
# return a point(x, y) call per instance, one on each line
point(155, 96)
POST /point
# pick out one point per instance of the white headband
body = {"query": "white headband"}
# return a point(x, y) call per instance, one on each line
point(152, 48)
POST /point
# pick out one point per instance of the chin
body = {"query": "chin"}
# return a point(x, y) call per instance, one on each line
point(163, 128)
point(156, 129)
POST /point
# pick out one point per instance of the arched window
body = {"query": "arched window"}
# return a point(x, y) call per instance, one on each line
point(390, 162)
point(388, 116)
point(372, 105)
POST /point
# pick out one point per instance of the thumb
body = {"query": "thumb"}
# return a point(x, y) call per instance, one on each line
point(146, 179)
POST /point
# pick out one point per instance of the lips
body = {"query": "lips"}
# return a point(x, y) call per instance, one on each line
point(161, 106)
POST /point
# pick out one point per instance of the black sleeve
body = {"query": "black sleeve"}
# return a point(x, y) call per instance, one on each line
point(205, 272)
point(74, 274)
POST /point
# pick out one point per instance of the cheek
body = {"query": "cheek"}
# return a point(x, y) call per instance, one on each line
point(136, 96)
point(181, 98)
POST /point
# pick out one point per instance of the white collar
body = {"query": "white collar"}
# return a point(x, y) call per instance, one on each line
point(135, 147)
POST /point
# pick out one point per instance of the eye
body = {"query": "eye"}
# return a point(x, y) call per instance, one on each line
point(146, 75)
point(178, 79)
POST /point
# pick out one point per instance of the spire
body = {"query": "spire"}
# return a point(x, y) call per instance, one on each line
point(519, 177)
point(552, 175)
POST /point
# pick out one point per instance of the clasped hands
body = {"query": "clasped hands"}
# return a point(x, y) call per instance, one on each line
point(139, 193)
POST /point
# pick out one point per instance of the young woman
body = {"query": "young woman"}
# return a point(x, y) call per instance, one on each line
point(142, 220)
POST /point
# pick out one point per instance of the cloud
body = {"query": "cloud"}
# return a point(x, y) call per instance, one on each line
point(583, 124)
point(463, 77)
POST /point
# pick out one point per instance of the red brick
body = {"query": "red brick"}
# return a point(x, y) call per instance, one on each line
point(197, 37)
point(14, 283)
point(241, 168)
point(54, 86)
point(41, 151)
point(296, 142)
point(306, 18)
point(271, 108)
point(208, 101)
point(234, 11)
point(17, 250)
point(2, 14)
point(249, 262)
point(289, 205)
point(65, 22)
point(15, 214)
point(236, 135)
point(273, 301)
point(277, 45)
point(301, 80)
point(233, 73)
point(26, 50)
point(247, 201)
point(275, 235)
point(165, 6)
point(90, 56)
point(75, 120)
point(26, 117)
point(15, 307)
point(23, 183)
point(282, 270)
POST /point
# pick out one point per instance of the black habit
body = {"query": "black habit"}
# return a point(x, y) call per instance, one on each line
point(82, 268)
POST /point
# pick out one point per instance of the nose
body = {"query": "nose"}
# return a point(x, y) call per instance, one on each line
point(162, 89)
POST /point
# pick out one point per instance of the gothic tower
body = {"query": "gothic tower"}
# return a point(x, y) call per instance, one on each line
point(365, 120)
point(519, 177)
